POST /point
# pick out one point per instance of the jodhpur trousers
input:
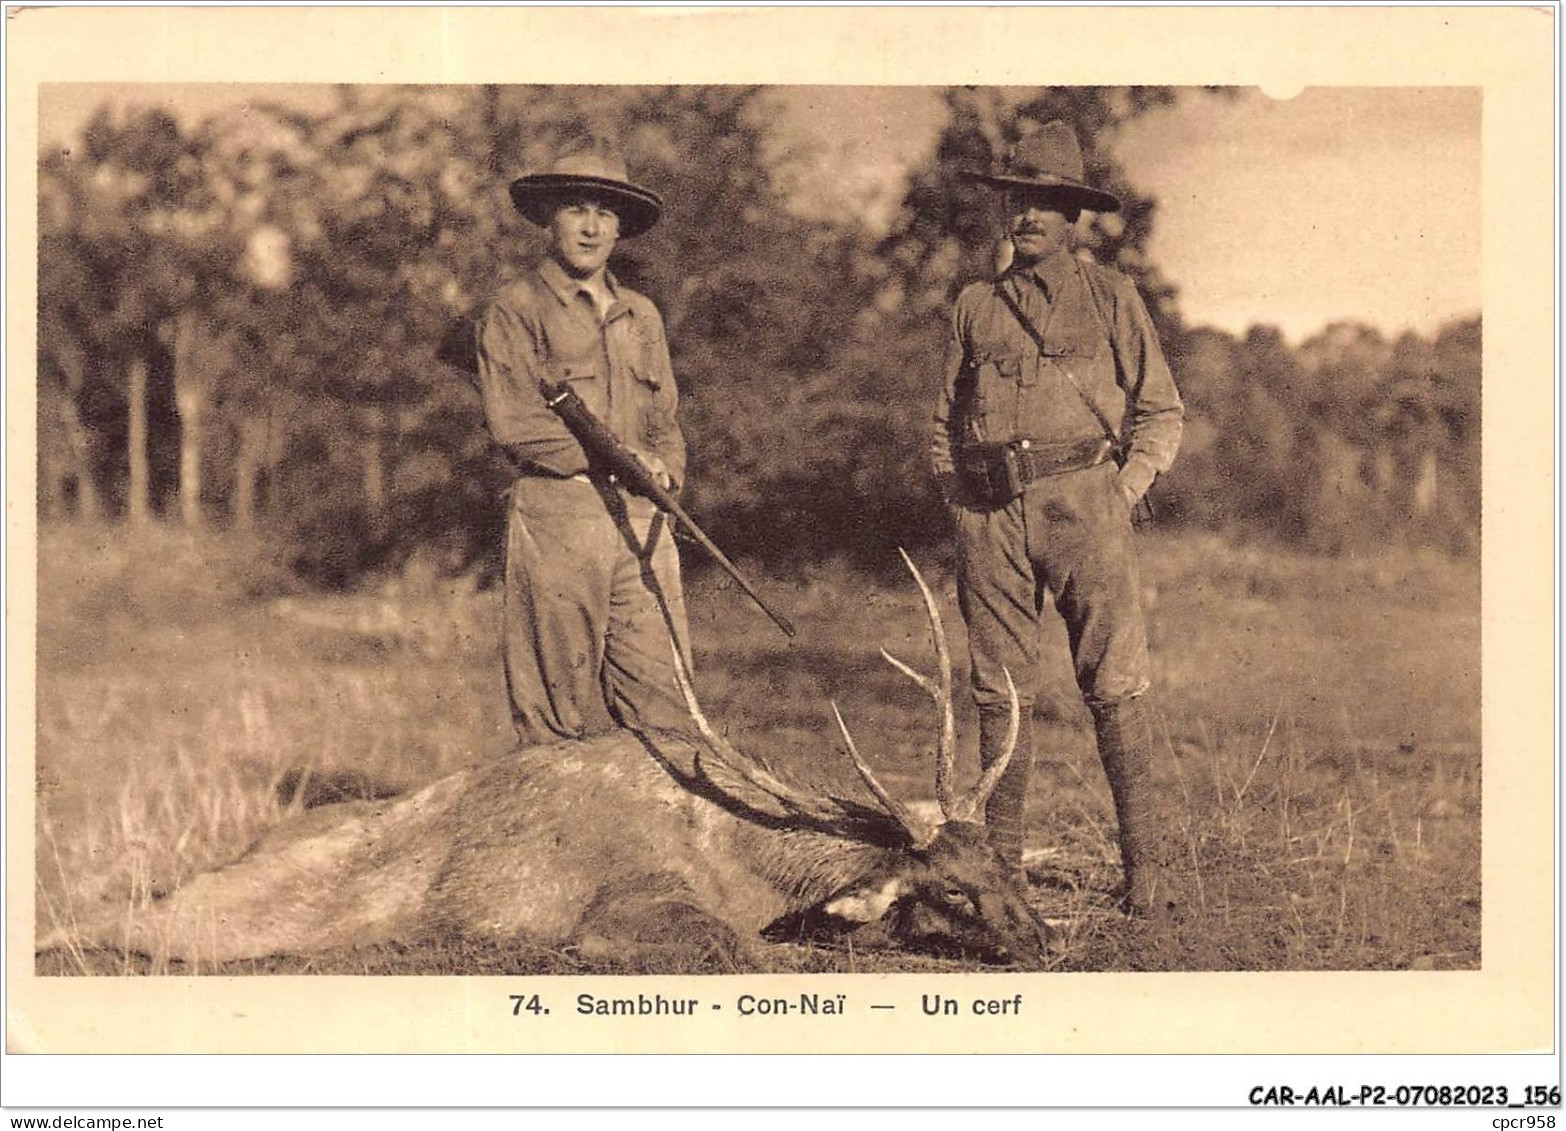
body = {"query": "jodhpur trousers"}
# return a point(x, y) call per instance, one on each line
point(592, 600)
point(1069, 535)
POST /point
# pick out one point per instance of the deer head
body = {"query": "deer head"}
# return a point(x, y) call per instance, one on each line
point(940, 889)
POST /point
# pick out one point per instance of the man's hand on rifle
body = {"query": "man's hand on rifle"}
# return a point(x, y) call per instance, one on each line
point(655, 464)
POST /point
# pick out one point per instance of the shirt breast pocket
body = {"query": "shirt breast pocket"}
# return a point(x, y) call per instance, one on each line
point(646, 352)
point(1076, 333)
point(581, 377)
point(996, 377)
point(1076, 345)
point(645, 376)
point(652, 399)
point(572, 371)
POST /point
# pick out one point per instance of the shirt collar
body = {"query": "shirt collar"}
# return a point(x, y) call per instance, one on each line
point(1051, 274)
point(566, 288)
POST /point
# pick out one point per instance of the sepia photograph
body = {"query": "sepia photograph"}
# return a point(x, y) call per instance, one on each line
point(594, 533)
point(388, 438)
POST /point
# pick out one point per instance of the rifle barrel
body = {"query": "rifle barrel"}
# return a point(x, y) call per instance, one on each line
point(596, 437)
point(668, 503)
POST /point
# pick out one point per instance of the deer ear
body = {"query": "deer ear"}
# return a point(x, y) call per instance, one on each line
point(866, 902)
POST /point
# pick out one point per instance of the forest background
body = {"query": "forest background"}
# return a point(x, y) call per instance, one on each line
point(271, 519)
point(257, 323)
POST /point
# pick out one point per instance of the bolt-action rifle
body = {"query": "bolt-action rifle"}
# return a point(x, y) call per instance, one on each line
point(610, 453)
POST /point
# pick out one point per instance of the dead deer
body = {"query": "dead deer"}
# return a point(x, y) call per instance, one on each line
point(612, 845)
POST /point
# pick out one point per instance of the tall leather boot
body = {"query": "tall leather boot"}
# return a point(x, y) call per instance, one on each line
point(1125, 746)
point(1003, 811)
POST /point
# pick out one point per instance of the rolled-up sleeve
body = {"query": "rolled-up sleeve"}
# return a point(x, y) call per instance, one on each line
point(669, 441)
point(941, 437)
point(514, 407)
point(1155, 416)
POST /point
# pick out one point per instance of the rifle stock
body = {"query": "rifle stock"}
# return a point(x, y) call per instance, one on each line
point(610, 453)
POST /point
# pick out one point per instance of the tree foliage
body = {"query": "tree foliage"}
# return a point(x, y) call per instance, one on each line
point(270, 314)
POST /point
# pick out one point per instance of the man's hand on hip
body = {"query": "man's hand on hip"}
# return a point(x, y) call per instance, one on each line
point(1134, 479)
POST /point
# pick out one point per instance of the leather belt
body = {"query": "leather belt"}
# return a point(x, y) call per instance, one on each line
point(1039, 461)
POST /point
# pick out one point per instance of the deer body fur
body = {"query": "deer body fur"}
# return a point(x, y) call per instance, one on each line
point(608, 844)
point(602, 844)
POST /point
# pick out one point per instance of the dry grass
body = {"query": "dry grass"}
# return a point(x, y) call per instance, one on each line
point(1321, 719)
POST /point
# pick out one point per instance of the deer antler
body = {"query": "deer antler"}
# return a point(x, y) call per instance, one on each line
point(964, 808)
point(941, 691)
point(822, 809)
point(813, 806)
point(915, 833)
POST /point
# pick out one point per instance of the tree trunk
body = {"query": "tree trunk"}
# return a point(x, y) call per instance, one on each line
point(280, 411)
point(1425, 485)
point(88, 506)
point(190, 463)
point(247, 469)
point(374, 470)
point(1385, 466)
point(491, 104)
point(1338, 471)
point(138, 504)
point(190, 398)
point(54, 465)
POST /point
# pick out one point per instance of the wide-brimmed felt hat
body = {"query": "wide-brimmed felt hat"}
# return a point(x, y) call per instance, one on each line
point(1050, 161)
point(594, 166)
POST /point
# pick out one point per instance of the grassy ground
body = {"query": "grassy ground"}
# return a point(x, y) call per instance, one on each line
point(1320, 720)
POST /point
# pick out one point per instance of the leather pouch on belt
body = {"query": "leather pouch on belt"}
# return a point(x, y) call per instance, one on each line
point(991, 473)
point(995, 474)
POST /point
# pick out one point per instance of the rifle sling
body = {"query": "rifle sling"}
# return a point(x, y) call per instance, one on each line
point(1038, 340)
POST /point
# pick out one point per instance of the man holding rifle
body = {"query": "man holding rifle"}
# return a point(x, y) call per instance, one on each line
point(1057, 413)
point(592, 592)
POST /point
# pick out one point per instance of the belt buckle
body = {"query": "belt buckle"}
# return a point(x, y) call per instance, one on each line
point(1027, 468)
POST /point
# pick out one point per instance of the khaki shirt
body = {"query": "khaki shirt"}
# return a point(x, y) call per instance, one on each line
point(546, 327)
point(1000, 387)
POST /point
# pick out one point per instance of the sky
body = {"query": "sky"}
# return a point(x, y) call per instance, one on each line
point(1339, 203)
point(1336, 204)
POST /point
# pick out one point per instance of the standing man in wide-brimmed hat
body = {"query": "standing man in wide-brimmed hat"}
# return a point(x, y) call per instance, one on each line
point(1057, 413)
point(592, 590)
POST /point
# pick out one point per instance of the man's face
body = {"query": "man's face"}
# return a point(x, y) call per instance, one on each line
point(582, 234)
point(1038, 227)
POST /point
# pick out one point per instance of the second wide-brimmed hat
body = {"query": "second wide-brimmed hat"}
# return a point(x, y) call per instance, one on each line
point(594, 166)
point(1050, 161)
